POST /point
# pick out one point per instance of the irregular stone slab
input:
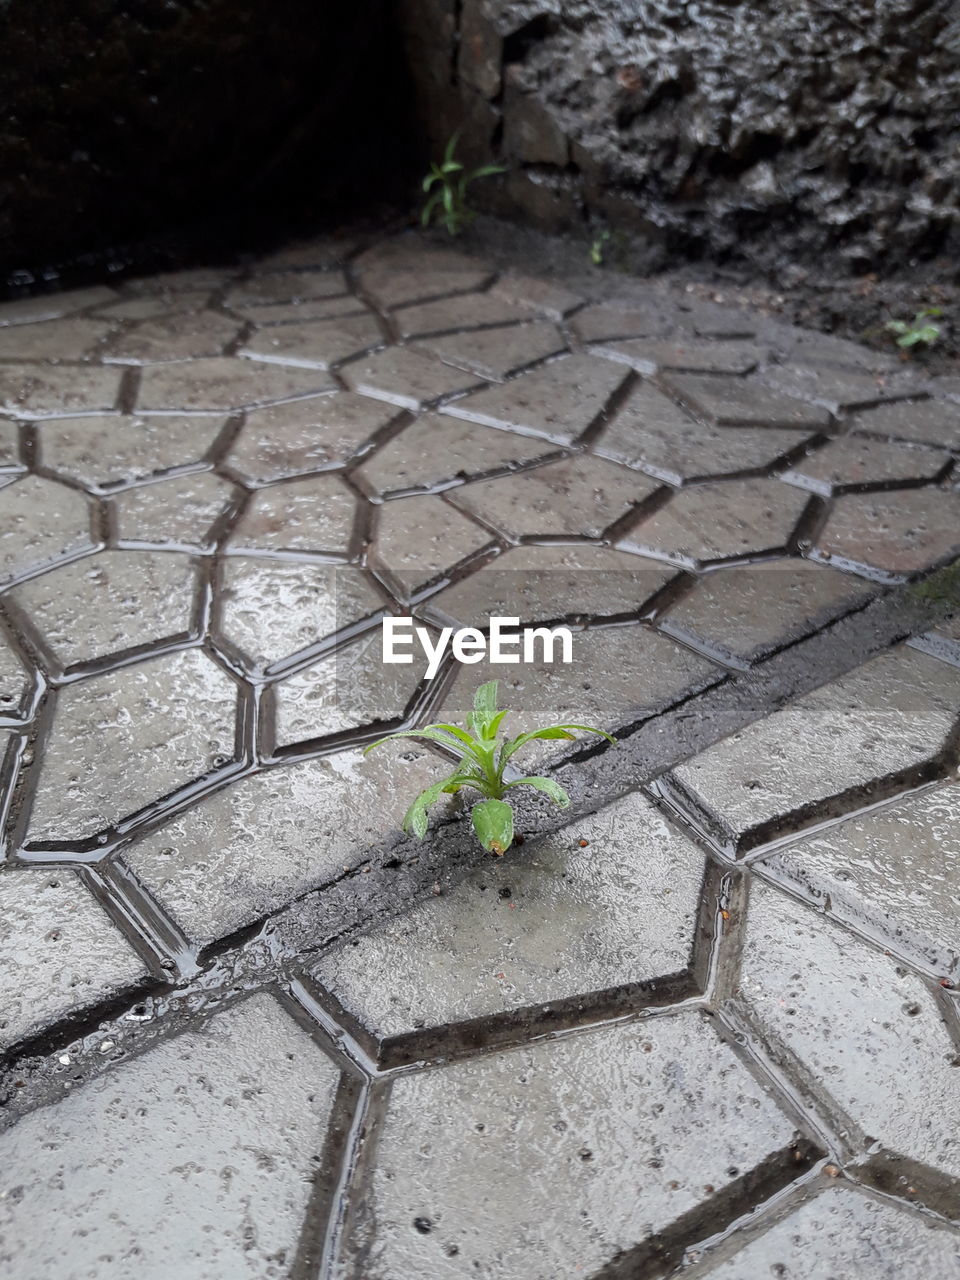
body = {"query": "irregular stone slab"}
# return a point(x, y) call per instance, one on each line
point(315, 515)
point(179, 337)
point(393, 288)
point(319, 252)
point(224, 384)
point(206, 278)
point(49, 306)
point(304, 436)
point(579, 496)
point(836, 748)
point(316, 344)
point(710, 321)
point(865, 1033)
point(76, 338)
point(894, 534)
point(16, 681)
point(609, 902)
point(930, 421)
point(853, 462)
point(575, 1161)
point(411, 252)
point(286, 286)
point(544, 584)
point(892, 874)
point(619, 675)
point(222, 1126)
point(185, 513)
point(741, 615)
point(350, 688)
point(807, 346)
point(110, 603)
point(148, 306)
point(608, 322)
point(405, 377)
point(717, 522)
point(10, 447)
point(40, 522)
point(156, 725)
point(835, 388)
point(246, 851)
point(698, 357)
point(743, 402)
point(436, 451)
point(654, 434)
point(104, 452)
point(546, 296)
point(305, 309)
point(466, 311)
point(494, 353)
point(59, 954)
point(418, 538)
point(49, 391)
point(557, 402)
point(845, 1232)
point(270, 610)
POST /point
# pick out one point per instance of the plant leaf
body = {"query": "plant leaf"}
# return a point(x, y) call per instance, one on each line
point(451, 146)
point(547, 786)
point(430, 731)
point(486, 171)
point(485, 705)
point(415, 819)
point(493, 823)
point(897, 326)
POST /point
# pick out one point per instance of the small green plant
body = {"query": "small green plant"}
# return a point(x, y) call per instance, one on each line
point(482, 758)
point(909, 333)
point(447, 184)
point(598, 247)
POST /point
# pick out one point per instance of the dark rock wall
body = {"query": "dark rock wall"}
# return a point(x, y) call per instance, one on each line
point(814, 130)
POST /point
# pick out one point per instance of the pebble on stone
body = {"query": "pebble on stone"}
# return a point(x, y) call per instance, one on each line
point(495, 353)
point(743, 402)
point(27, 543)
point(405, 377)
point(892, 534)
point(315, 515)
point(182, 513)
point(224, 384)
point(316, 344)
point(104, 452)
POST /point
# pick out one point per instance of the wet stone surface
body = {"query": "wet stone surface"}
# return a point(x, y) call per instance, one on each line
point(104, 453)
point(893, 535)
point(27, 544)
point(182, 513)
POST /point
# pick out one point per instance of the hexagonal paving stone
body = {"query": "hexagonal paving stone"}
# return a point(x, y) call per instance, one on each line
point(579, 496)
point(59, 953)
point(345, 690)
point(273, 313)
point(894, 534)
point(395, 273)
point(304, 436)
point(619, 675)
point(225, 383)
point(466, 311)
point(51, 391)
point(653, 433)
point(315, 515)
point(704, 357)
point(855, 462)
point(743, 402)
point(891, 874)
point(156, 725)
point(316, 252)
point(610, 321)
point(222, 1126)
point(10, 448)
point(558, 401)
point(846, 1232)
point(110, 603)
point(105, 452)
point(167, 282)
point(246, 851)
point(494, 353)
point(40, 522)
point(418, 538)
point(77, 338)
point(546, 296)
point(807, 346)
point(543, 584)
point(835, 388)
point(715, 522)
point(929, 421)
point(180, 337)
point(827, 750)
point(272, 609)
point(16, 682)
point(405, 377)
point(575, 1161)
point(286, 286)
point(741, 615)
point(316, 344)
point(560, 920)
point(51, 305)
point(184, 513)
point(865, 1034)
point(149, 306)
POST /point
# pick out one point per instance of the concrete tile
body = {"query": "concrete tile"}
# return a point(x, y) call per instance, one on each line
point(807, 346)
point(315, 515)
point(866, 1034)
point(316, 252)
point(466, 311)
point(405, 377)
point(743, 402)
point(149, 306)
point(75, 338)
point(315, 344)
point(173, 282)
point(854, 461)
point(49, 306)
point(612, 322)
point(894, 533)
point(265, 287)
point(180, 513)
point(558, 401)
point(27, 544)
point(225, 384)
point(685, 354)
point(575, 1163)
point(15, 680)
point(495, 353)
point(10, 447)
point(418, 538)
point(544, 296)
point(396, 288)
point(222, 1126)
point(103, 452)
point(109, 603)
point(51, 391)
point(59, 954)
point(837, 744)
point(272, 313)
point(837, 388)
point(184, 336)
point(929, 421)
point(250, 849)
point(157, 725)
point(579, 496)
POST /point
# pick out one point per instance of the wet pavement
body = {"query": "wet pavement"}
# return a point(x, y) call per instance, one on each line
point(706, 1022)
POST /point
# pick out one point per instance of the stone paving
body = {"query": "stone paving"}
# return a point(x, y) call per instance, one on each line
point(706, 1023)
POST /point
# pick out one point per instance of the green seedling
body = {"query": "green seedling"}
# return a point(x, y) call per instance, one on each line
point(482, 756)
point(909, 333)
point(598, 247)
point(447, 184)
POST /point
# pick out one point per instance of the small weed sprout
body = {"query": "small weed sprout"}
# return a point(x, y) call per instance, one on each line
point(483, 756)
point(909, 333)
point(598, 247)
point(446, 185)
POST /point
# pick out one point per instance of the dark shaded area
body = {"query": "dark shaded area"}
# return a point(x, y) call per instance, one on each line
point(154, 132)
